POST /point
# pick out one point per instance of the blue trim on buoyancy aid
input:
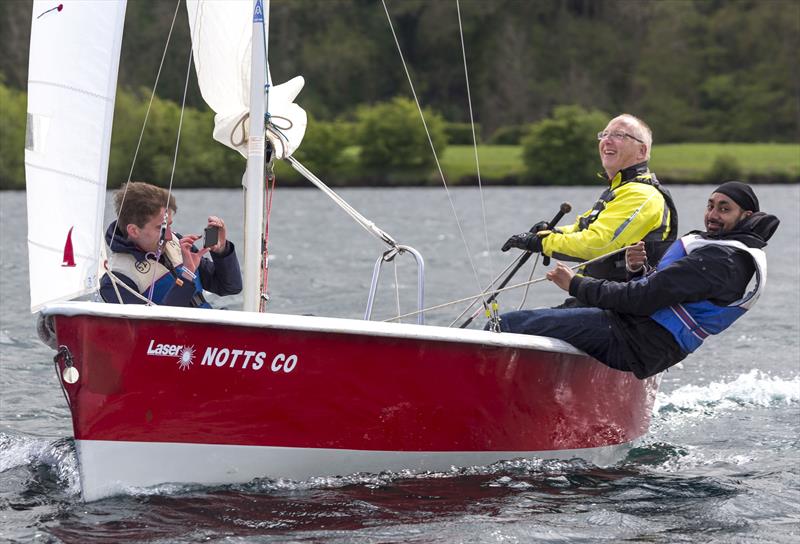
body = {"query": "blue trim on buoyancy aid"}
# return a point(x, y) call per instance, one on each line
point(692, 322)
point(138, 267)
point(165, 283)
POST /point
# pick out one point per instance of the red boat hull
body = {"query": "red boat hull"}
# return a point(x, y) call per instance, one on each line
point(260, 383)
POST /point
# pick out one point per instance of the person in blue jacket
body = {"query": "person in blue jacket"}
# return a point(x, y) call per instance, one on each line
point(654, 320)
point(148, 262)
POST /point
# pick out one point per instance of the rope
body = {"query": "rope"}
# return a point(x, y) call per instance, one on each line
point(497, 277)
point(146, 117)
point(530, 276)
point(433, 149)
point(472, 125)
point(507, 288)
point(116, 281)
point(264, 298)
point(180, 121)
point(239, 123)
point(165, 220)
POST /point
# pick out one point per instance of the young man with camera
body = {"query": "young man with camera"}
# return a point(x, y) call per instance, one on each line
point(148, 262)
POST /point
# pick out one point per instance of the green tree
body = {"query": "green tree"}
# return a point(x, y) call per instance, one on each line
point(393, 138)
point(323, 146)
point(563, 150)
point(202, 162)
point(13, 105)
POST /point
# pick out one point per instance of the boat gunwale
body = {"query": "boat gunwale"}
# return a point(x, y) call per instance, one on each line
point(321, 324)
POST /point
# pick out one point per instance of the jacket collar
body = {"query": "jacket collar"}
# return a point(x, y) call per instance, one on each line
point(627, 174)
point(753, 231)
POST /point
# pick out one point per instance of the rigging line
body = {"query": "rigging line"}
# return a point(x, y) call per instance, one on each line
point(264, 18)
point(433, 148)
point(530, 276)
point(507, 288)
point(472, 125)
point(497, 277)
point(116, 281)
point(264, 295)
point(146, 117)
point(183, 109)
point(368, 225)
point(167, 215)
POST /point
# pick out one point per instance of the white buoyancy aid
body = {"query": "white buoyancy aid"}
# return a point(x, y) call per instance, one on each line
point(147, 272)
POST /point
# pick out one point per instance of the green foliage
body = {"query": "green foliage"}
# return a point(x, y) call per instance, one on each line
point(563, 150)
point(393, 139)
point(461, 133)
point(694, 70)
point(322, 149)
point(725, 168)
point(690, 163)
point(13, 117)
point(202, 162)
point(509, 135)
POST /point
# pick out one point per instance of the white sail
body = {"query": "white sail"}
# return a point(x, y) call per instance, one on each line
point(221, 37)
point(72, 81)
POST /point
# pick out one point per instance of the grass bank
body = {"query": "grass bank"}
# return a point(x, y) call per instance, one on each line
point(503, 165)
point(676, 163)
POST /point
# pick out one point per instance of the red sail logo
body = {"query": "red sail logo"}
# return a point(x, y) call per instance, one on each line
point(69, 254)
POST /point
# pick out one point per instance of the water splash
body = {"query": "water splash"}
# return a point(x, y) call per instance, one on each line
point(754, 389)
point(57, 457)
point(506, 473)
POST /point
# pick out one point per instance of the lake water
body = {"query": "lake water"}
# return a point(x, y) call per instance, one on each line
point(720, 463)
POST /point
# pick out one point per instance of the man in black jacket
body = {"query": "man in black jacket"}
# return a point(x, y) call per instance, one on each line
point(652, 322)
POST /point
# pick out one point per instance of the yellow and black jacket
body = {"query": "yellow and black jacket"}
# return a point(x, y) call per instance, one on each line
point(634, 207)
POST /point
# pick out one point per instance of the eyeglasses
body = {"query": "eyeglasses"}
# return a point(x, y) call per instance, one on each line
point(617, 135)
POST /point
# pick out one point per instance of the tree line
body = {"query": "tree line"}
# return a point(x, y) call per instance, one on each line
point(695, 70)
point(385, 145)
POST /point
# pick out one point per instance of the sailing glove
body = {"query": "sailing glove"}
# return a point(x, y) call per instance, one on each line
point(528, 241)
point(541, 225)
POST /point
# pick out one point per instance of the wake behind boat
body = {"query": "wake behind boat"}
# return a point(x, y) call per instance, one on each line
point(163, 394)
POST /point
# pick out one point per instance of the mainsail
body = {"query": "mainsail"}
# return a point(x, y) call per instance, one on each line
point(71, 91)
point(221, 38)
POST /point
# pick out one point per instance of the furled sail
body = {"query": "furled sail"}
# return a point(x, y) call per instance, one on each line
point(221, 37)
point(72, 81)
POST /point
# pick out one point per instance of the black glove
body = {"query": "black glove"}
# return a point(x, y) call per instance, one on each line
point(528, 241)
point(541, 225)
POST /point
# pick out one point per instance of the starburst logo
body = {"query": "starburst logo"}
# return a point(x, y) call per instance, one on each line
point(186, 357)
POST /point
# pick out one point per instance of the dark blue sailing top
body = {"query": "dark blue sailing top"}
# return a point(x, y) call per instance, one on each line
point(138, 270)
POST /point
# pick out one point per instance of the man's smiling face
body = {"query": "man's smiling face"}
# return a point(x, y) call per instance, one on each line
point(722, 213)
point(619, 153)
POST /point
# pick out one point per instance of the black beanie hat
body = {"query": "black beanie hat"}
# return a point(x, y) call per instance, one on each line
point(741, 193)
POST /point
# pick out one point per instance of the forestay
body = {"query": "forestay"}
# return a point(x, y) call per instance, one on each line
point(221, 38)
point(72, 80)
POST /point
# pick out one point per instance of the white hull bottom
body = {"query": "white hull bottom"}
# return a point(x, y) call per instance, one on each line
point(113, 467)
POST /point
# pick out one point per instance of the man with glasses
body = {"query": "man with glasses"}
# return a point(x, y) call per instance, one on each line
point(701, 285)
point(634, 207)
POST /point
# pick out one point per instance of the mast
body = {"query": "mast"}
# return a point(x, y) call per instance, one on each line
point(254, 177)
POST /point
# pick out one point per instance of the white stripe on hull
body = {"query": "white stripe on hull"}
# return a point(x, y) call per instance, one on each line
point(113, 467)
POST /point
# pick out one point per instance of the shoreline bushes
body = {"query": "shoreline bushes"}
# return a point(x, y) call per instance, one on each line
point(387, 146)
